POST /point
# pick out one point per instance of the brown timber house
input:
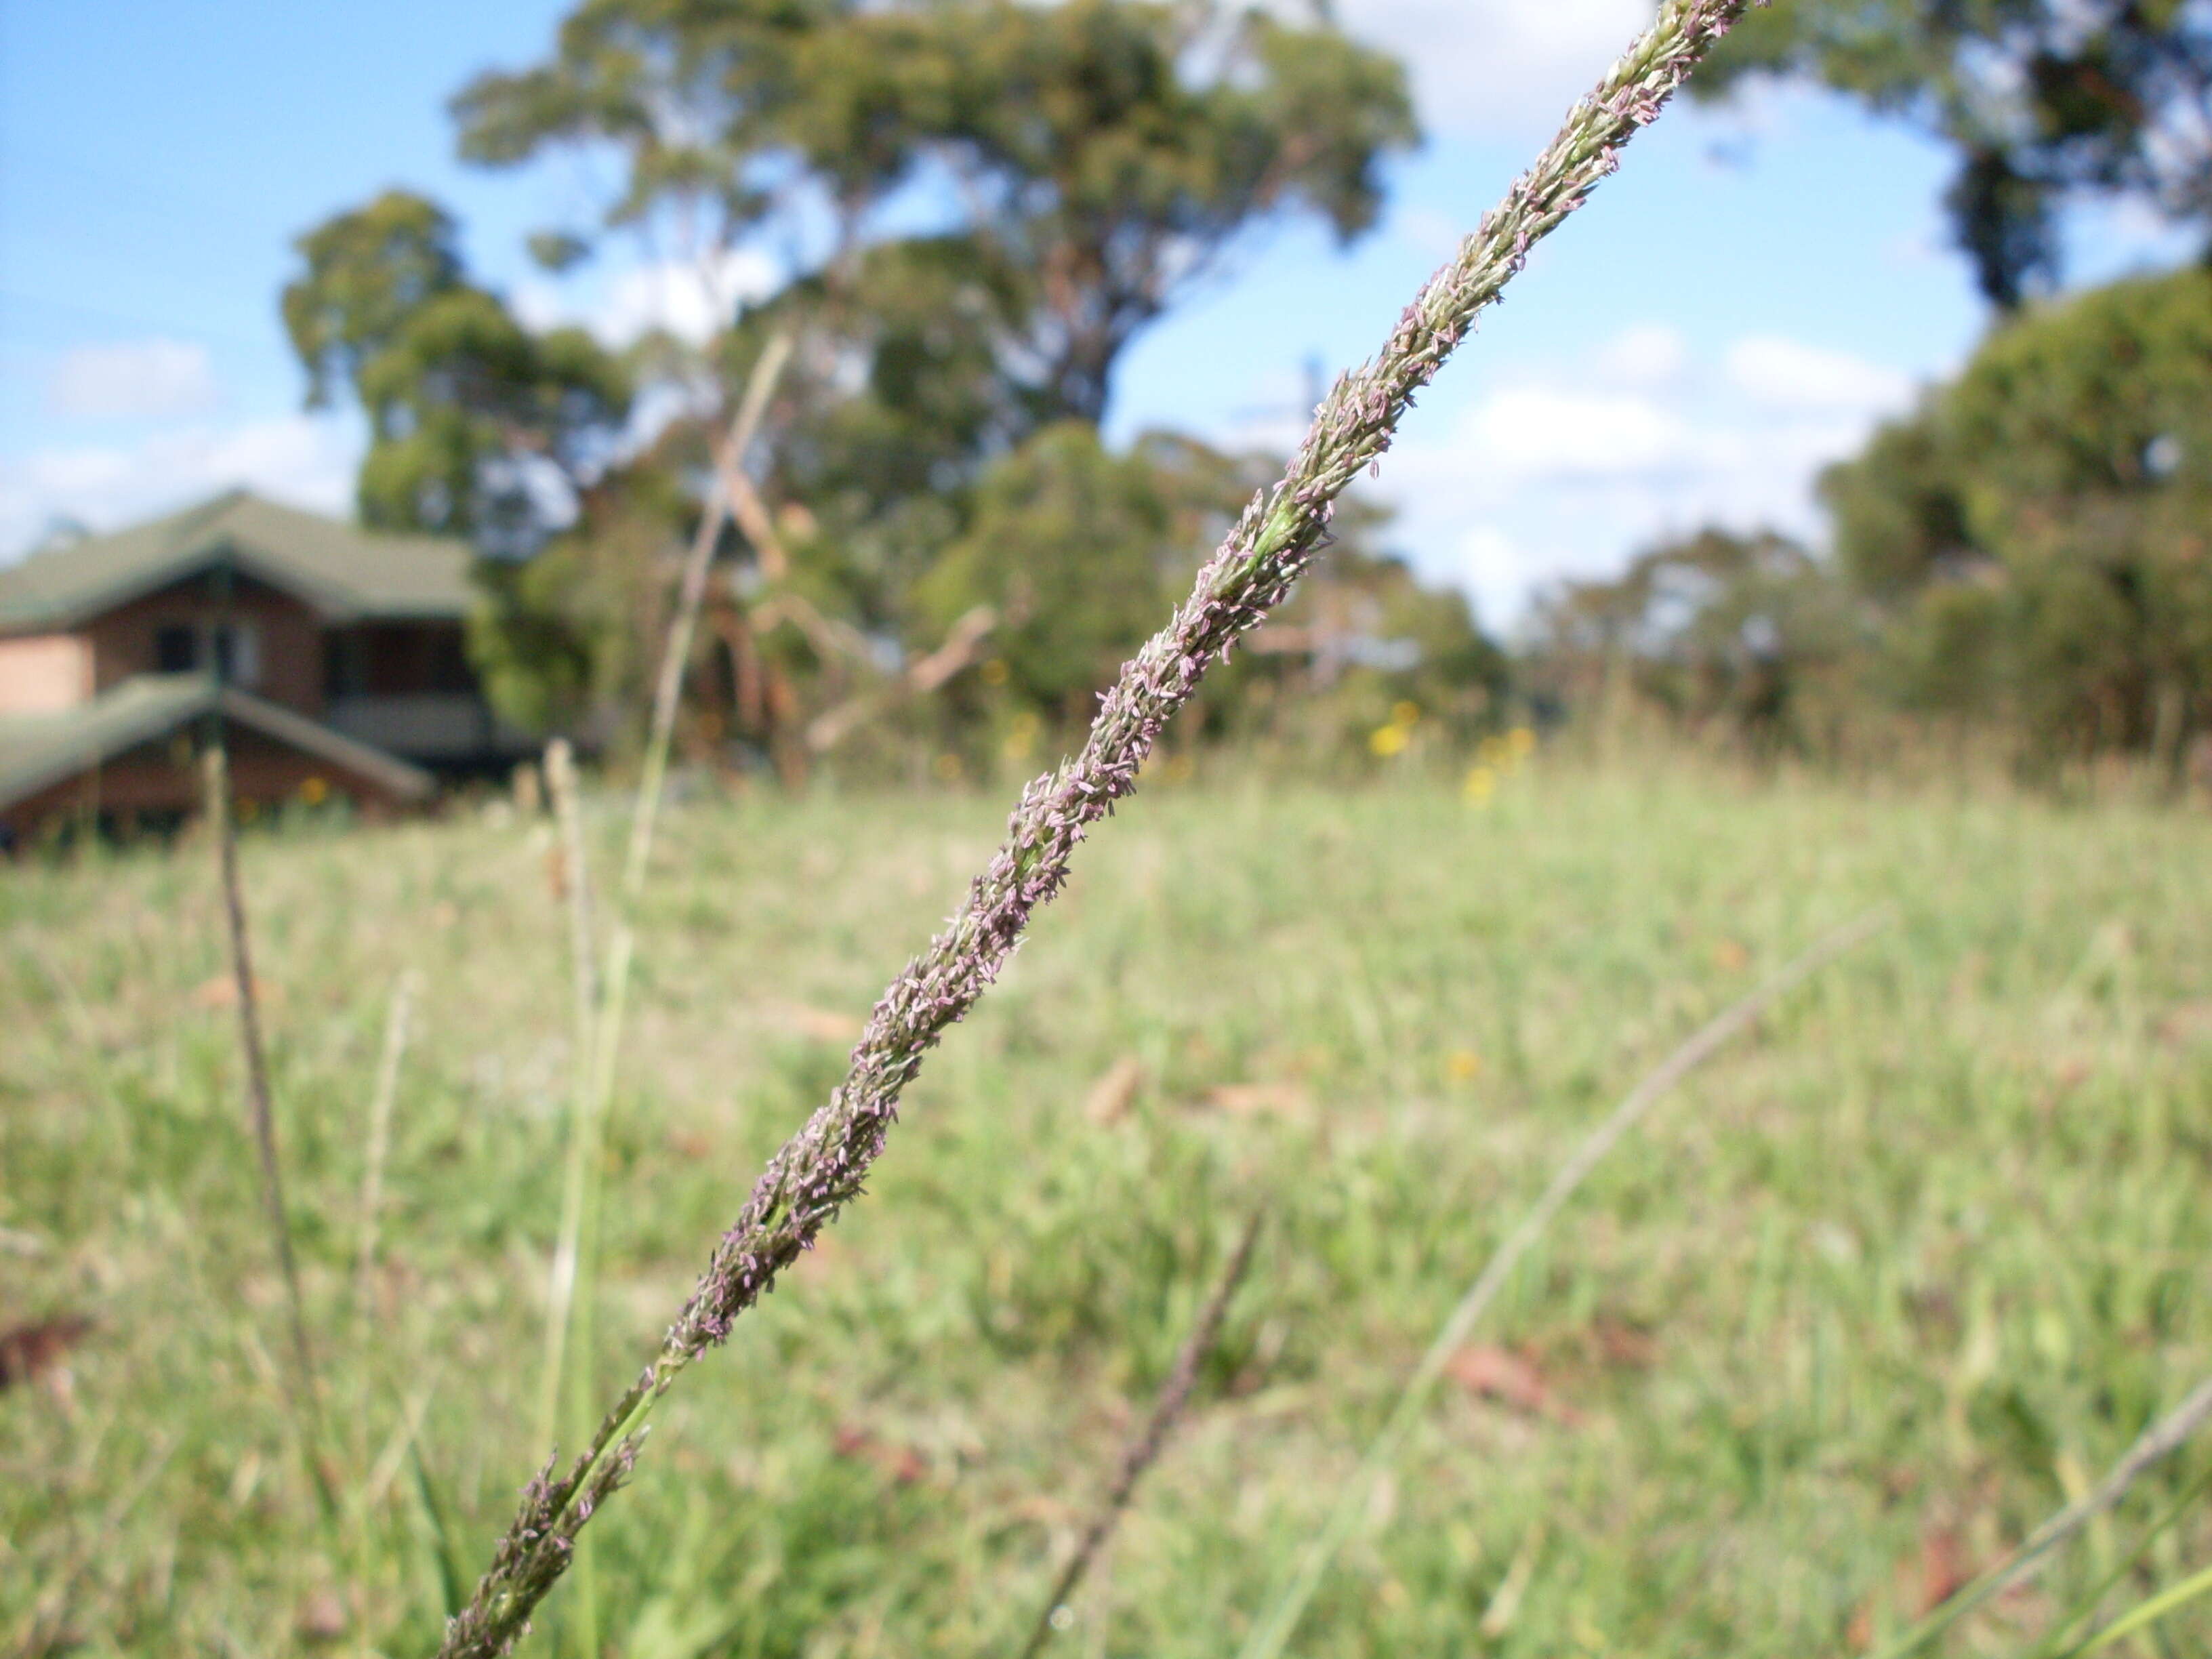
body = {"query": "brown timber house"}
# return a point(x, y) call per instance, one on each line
point(330, 658)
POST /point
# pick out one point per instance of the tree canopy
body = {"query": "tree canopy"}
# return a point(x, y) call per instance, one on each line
point(477, 426)
point(2042, 100)
point(2039, 533)
point(964, 211)
point(1087, 160)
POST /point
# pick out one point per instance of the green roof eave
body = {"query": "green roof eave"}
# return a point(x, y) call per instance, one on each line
point(39, 751)
point(344, 573)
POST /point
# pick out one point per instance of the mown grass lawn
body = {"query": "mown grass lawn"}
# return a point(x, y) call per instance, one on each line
point(1876, 1290)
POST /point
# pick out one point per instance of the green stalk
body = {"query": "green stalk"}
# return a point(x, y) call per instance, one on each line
point(2166, 1601)
point(2052, 1646)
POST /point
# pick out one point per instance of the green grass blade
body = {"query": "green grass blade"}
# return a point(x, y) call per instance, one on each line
point(2050, 1647)
point(2166, 1601)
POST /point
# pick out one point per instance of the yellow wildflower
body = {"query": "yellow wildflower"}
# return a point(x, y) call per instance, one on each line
point(1481, 784)
point(1388, 740)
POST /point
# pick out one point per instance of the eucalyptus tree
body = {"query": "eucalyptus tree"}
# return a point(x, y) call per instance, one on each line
point(2043, 101)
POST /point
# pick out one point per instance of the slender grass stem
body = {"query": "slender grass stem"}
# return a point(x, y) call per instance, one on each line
point(306, 1407)
point(2171, 1599)
point(2153, 1447)
point(2084, 1611)
point(576, 883)
point(382, 1099)
point(1273, 1630)
point(1141, 1453)
point(823, 1167)
point(691, 592)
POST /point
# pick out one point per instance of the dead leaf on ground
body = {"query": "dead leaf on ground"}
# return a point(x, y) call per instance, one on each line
point(38, 1353)
point(1944, 1567)
point(1510, 1379)
point(1625, 1346)
point(1249, 1099)
point(1110, 1098)
point(220, 991)
point(1858, 1635)
point(689, 1144)
point(322, 1617)
point(2186, 1024)
point(817, 1024)
point(903, 1464)
point(818, 1263)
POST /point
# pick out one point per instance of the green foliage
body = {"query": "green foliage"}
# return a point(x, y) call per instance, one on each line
point(1080, 551)
point(2042, 101)
point(1076, 548)
point(933, 447)
point(2036, 532)
point(477, 426)
point(1105, 152)
point(1747, 636)
point(368, 272)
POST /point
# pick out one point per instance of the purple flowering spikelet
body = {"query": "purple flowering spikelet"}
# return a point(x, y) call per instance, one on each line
point(822, 1167)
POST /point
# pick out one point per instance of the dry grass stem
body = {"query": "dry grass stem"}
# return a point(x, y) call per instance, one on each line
point(381, 1102)
point(1273, 1630)
point(691, 592)
point(963, 643)
point(1141, 1453)
point(307, 1406)
point(824, 1166)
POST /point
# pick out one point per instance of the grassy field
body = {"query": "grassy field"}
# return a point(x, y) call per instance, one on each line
point(1876, 1290)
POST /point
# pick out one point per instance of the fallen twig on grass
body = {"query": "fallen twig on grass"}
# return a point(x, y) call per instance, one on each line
point(1274, 1628)
point(1141, 1453)
point(1282, 531)
point(306, 1407)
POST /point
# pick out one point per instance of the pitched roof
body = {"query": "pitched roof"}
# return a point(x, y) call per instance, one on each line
point(347, 575)
point(39, 751)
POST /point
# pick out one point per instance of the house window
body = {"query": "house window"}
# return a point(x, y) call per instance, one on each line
point(230, 651)
point(235, 650)
point(176, 649)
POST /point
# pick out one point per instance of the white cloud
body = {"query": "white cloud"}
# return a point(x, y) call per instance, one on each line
point(1493, 65)
point(691, 300)
point(1783, 375)
point(1541, 434)
point(132, 378)
point(1649, 354)
point(298, 458)
point(1568, 473)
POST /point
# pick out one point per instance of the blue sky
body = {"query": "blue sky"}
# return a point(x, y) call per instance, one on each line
point(1755, 288)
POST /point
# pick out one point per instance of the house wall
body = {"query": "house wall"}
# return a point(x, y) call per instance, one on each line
point(288, 636)
point(161, 781)
point(44, 673)
point(415, 657)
